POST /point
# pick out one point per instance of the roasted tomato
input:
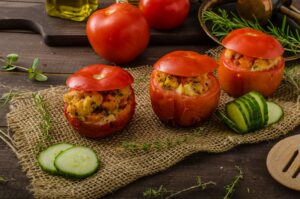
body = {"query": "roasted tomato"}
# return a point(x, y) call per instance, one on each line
point(165, 14)
point(118, 33)
point(183, 90)
point(100, 101)
point(252, 61)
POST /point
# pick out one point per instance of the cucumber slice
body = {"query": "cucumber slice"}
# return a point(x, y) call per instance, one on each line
point(245, 111)
point(228, 122)
point(46, 158)
point(77, 162)
point(262, 105)
point(234, 112)
point(275, 113)
point(255, 114)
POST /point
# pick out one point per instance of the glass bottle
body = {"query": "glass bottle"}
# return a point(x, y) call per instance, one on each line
point(77, 10)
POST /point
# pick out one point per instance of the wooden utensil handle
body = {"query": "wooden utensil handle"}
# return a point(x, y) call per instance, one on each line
point(290, 13)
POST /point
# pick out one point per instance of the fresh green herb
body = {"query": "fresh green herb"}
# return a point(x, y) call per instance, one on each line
point(292, 76)
point(33, 72)
point(3, 179)
point(230, 188)
point(223, 23)
point(162, 144)
point(46, 122)
point(162, 192)
point(7, 97)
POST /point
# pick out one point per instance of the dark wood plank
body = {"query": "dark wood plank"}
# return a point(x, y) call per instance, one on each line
point(59, 32)
point(70, 59)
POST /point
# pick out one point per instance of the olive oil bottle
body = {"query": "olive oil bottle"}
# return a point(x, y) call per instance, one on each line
point(76, 10)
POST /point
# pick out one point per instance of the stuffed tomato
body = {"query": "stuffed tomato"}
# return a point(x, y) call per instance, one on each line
point(183, 90)
point(100, 101)
point(251, 61)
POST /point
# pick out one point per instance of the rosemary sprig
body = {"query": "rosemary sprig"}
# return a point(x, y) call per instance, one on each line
point(161, 144)
point(230, 188)
point(223, 23)
point(162, 191)
point(46, 123)
point(33, 73)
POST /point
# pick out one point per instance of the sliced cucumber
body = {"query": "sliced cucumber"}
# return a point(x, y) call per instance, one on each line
point(235, 113)
point(228, 122)
point(262, 105)
point(275, 113)
point(255, 114)
point(245, 110)
point(77, 162)
point(46, 158)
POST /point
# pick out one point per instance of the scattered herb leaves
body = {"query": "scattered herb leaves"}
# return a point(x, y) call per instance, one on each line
point(224, 22)
point(161, 144)
point(230, 188)
point(46, 122)
point(162, 192)
point(292, 76)
point(33, 72)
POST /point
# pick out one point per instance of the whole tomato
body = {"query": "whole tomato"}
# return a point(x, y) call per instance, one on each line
point(118, 33)
point(165, 14)
point(175, 108)
point(251, 45)
point(102, 80)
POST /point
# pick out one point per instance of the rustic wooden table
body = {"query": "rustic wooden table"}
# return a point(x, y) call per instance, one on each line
point(59, 62)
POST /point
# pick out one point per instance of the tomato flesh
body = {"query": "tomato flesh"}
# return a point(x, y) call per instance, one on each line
point(99, 131)
point(177, 109)
point(237, 82)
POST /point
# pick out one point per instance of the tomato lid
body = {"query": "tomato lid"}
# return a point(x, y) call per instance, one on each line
point(185, 63)
point(99, 77)
point(253, 43)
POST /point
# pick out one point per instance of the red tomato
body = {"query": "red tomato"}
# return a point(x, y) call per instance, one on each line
point(185, 63)
point(165, 14)
point(100, 77)
point(118, 33)
point(179, 109)
point(237, 82)
point(253, 43)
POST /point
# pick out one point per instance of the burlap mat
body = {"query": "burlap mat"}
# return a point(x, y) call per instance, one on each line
point(119, 166)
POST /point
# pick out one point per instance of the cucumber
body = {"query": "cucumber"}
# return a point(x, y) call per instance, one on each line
point(77, 162)
point(262, 105)
point(275, 113)
point(46, 158)
point(228, 122)
point(235, 114)
point(255, 114)
point(245, 111)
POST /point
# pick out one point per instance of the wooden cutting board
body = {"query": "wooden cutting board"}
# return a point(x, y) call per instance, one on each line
point(60, 32)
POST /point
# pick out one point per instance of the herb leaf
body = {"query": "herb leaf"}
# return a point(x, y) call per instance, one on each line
point(230, 188)
point(33, 73)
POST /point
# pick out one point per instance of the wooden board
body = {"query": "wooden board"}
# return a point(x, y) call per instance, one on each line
point(60, 32)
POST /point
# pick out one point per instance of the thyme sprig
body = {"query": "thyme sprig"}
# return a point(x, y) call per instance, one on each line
point(46, 122)
point(163, 192)
point(161, 144)
point(230, 188)
point(223, 23)
point(7, 97)
point(33, 73)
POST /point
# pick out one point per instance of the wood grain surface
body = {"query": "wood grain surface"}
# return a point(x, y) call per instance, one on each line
point(59, 62)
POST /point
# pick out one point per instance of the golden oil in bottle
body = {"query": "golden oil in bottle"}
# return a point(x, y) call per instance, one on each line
point(77, 10)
